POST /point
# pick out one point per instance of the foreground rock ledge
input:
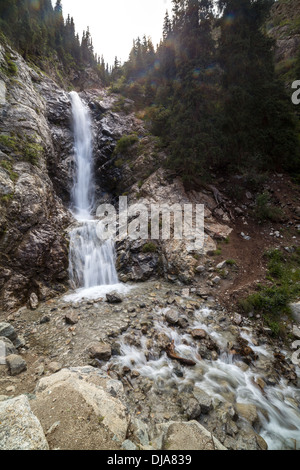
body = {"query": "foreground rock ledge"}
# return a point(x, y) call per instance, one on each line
point(188, 436)
point(96, 389)
point(19, 427)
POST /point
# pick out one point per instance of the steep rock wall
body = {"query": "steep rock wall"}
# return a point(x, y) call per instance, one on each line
point(34, 128)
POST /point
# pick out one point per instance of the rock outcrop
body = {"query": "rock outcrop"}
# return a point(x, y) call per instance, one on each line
point(33, 246)
point(19, 427)
point(96, 389)
point(284, 26)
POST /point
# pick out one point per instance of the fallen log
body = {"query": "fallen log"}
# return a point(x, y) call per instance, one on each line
point(170, 350)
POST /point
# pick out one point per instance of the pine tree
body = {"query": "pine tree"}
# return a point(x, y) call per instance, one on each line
point(258, 126)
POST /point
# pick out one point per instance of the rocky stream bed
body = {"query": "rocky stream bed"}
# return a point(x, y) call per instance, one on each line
point(168, 356)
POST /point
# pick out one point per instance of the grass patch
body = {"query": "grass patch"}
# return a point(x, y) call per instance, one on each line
point(149, 248)
point(24, 148)
point(231, 262)
point(8, 167)
point(8, 142)
point(7, 198)
point(265, 210)
point(272, 300)
point(11, 69)
point(217, 252)
point(125, 144)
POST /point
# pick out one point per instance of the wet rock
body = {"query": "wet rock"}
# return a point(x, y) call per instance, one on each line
point(113, 299)
point(9, 347)
point(54, 367)
point(183, 322)
point(20, 429)
point(191, 408)
point(71, 318)
point(45, 319)
point(246, 439)
point(16, 364)
point(129, 445)
point(172, 316)
point(100, 351)
point(204, 400)
point(200, 269)
point(188, 436)
point(139, 431)
point(199, 334)
point(34, 217)
point(162, 340)
point(247, 411)
point(8, 331)
point(296, 331)
point(261, 383)
point(237, 319)
point(33, 301)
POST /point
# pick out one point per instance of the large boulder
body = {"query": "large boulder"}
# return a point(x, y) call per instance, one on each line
point(187, 436)
point(295, 309)
point(19, 427)
point(95, 388)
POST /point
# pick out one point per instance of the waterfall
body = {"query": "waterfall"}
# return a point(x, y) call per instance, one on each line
point(91, 261)
point(83, 188)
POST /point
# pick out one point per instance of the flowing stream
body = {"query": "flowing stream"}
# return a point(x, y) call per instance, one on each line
point(225, 380)
point(91, 260)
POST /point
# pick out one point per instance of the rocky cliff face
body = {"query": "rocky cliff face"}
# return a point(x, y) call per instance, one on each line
point(284, 27)
point(34, 126)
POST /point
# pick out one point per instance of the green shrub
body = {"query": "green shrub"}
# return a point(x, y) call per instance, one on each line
point(6, 198)
point(11, 67)
point(217, 252)
point(149, 248)
point(23, 147)
point(8, 142)
point(32, 152)
point(231, 262)
point(119, 163)
point(8, 167)
point(125, 143)
point(272, 301)
point(264, 210)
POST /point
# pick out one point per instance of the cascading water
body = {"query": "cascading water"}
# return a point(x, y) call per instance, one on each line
point(83, 189)
point(223, 380)
point(91, 261)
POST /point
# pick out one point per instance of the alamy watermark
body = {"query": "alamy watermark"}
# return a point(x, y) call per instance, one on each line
point(296, 94)
point(146, 221)
point(296, 354)
point(2, 352)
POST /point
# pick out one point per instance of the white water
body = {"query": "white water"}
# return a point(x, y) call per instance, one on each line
point(91, 260)
point(223, 380)
point(83, 189)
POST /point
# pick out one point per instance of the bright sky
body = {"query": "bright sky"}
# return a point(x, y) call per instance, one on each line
point(115, 23)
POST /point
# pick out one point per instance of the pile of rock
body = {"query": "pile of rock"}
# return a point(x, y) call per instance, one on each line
point(10, 343)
